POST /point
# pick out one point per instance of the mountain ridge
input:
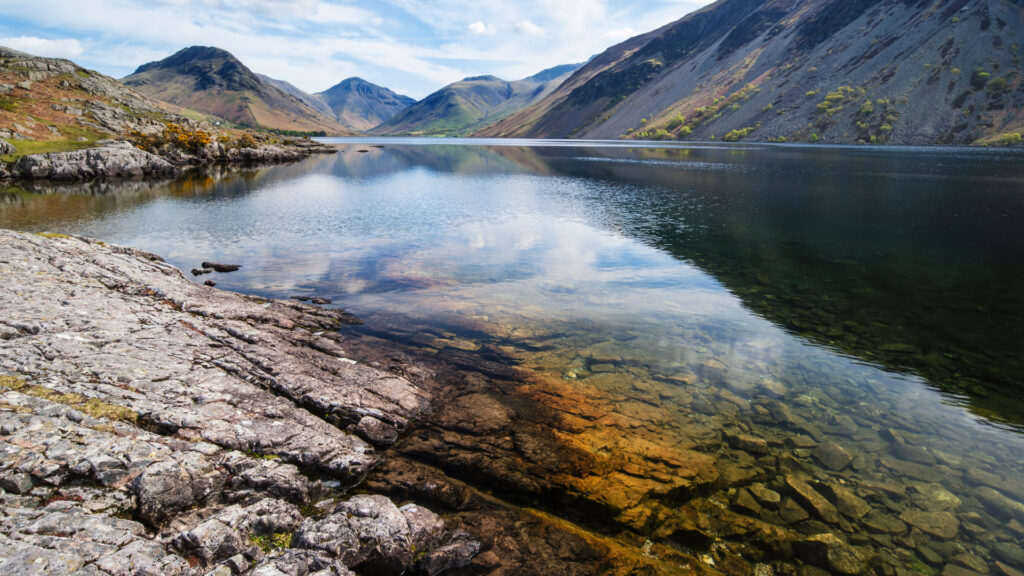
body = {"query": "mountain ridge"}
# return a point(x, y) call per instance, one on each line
point(213, 81)
point(362, 105)
point(472, 103)
point(873, 71)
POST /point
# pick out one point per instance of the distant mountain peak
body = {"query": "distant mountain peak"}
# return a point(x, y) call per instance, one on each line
point(472, 103)
point(212, 80)
point(362, 105)
point(190, 55)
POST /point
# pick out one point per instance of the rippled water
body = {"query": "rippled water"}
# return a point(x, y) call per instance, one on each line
point(847, 318)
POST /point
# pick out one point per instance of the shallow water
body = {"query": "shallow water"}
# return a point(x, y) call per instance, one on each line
point(745, 309)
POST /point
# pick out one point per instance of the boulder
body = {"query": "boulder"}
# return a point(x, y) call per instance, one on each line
point(6, 148)
point(110, 160)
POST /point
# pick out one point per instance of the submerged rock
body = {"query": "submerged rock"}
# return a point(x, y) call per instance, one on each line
point(829, 552)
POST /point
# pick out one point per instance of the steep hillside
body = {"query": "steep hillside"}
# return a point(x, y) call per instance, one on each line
point(49, 104)
point(361, 105)
point(471, 104)
point(213, 81)
point(843, 71)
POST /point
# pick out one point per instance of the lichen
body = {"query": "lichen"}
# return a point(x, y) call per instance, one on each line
point(270, 542)
point(92, 406)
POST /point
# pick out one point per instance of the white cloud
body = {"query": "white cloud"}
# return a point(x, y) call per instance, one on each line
point(619, 34)
point(50, 47)
point(528, 28)
point(412, 46)
point(478, 28)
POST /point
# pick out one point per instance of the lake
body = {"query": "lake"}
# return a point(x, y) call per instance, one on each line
point(719, 349)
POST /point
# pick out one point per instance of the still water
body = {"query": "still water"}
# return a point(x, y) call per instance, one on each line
point(718, 328)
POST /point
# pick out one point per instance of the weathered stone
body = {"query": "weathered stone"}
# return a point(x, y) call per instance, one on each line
point(114, 160)
point(370, 533)
point(941, 524)
point(791, 512)
point(746, 503)
point(766, 496)
point(934, 497)
point(884, 523)
point(222, 268)
point(847, 502)
point(912, 453)
point(829, 552)
point(1007, 570)
point(998, 504)
point(747, 443)
point(458, 553)
point(1010, 553)
point(16, 482)
point(809, 496)
point(833, 455)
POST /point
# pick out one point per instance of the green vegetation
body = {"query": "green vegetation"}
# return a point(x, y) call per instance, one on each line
point(979, 78)
point(876, 121)
point(1008, 139)
point(812, 94)
point(8, 104)
point(681, 127)
point(52, 235)
point(299, 133)
point(736, 135)
point(675, 123)
point(814, 138)
point(656, 134)
point(270, 542)
point(92, 406)
point(838, 99)
point(26, 147)
point(996, 86)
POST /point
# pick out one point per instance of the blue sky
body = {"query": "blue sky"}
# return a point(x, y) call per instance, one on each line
point(411, 46)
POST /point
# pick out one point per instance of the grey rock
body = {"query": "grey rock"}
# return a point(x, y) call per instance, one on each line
point(114, 160)
point(16, 482)
point(459, 552)
point(6, 148)
point(371, 534)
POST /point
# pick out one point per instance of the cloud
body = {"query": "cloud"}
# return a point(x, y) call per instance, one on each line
point(412, 46)
point(619, 34)
point(50, 47)
point(527, 28)
point(478, 28)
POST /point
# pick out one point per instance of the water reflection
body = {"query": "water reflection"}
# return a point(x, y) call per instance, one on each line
point(810, 303)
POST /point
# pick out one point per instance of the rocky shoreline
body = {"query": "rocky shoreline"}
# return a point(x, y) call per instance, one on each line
point(153, 426)
point(121, 159)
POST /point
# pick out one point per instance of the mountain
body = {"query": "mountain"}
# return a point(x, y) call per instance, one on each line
point(213, 81)
point(473, 103)
point(361, 105)
point(841, 71)
point(52, 104)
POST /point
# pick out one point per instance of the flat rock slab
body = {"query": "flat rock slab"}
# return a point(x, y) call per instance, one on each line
point(127, 391)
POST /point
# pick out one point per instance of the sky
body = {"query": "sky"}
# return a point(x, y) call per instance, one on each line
point(411, 46)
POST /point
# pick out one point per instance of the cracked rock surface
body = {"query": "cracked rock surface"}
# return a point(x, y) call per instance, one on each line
point(149, 425)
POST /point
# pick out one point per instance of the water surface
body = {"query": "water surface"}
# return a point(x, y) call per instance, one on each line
point(742, 308)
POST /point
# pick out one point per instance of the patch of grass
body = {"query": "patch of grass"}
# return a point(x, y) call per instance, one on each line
point(270, 542)
point(52, 235)
point(8, 104)
point(92, 406)
point(27, 147)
